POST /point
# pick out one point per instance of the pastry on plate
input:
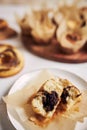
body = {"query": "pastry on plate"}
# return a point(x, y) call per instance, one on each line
point(6, 31)
point(46, 101)
point(39, 26)
point(70, 96)
point(52, 97)
point(11, 60)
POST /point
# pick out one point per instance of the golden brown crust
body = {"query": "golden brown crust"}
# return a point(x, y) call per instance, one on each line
point(11, 60)
point(3, 24)
point(6, 31)
point(70, 33)
point(39, 26)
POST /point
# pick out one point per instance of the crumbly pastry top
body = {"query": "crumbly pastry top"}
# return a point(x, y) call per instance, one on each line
point(72, 21)
point(39, 25)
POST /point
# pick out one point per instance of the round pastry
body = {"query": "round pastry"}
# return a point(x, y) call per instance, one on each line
point(6, 31)
point(11, 61)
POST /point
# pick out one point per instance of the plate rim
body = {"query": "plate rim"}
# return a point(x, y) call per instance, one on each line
point(46, 68)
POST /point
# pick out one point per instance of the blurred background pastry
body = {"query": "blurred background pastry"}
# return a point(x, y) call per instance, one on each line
point(38, 25)
point(6, 31)
point(11, 60)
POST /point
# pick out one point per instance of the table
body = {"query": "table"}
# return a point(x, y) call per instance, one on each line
point(32, 62)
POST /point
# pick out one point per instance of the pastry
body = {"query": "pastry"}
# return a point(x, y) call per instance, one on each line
point(39, 26)
point(83, 16)
point(70, 96)
point(65, 12)
point(3, 24)
point(55, 95)
point(71, 40)
point(46, 100)
point(11, 60)
point(61, 28)
point(70, 31)
point(6, 31)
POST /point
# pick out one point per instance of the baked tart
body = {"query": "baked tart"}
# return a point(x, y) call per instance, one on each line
point(11, 60)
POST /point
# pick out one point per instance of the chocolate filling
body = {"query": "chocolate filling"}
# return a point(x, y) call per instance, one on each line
point(73, 37)
point(8, 58)
point(10, 50)
point(65, 94)
point(49, 100)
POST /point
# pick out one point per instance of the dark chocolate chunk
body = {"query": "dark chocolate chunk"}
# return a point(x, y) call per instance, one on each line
point(49, 100)
point(73, 37)
point(65, 94)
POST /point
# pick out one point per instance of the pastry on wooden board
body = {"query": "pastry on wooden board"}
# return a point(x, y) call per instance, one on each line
point(43, 26)
point(39, 26)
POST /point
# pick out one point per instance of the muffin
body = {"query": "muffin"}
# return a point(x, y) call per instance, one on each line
point(39, 26)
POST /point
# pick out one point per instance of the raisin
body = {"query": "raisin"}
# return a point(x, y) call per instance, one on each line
point(49, 100)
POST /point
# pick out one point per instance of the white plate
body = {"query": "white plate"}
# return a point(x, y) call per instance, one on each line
point(23, 81)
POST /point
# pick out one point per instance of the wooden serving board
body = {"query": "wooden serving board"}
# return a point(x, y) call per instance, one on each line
point(53, 52)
